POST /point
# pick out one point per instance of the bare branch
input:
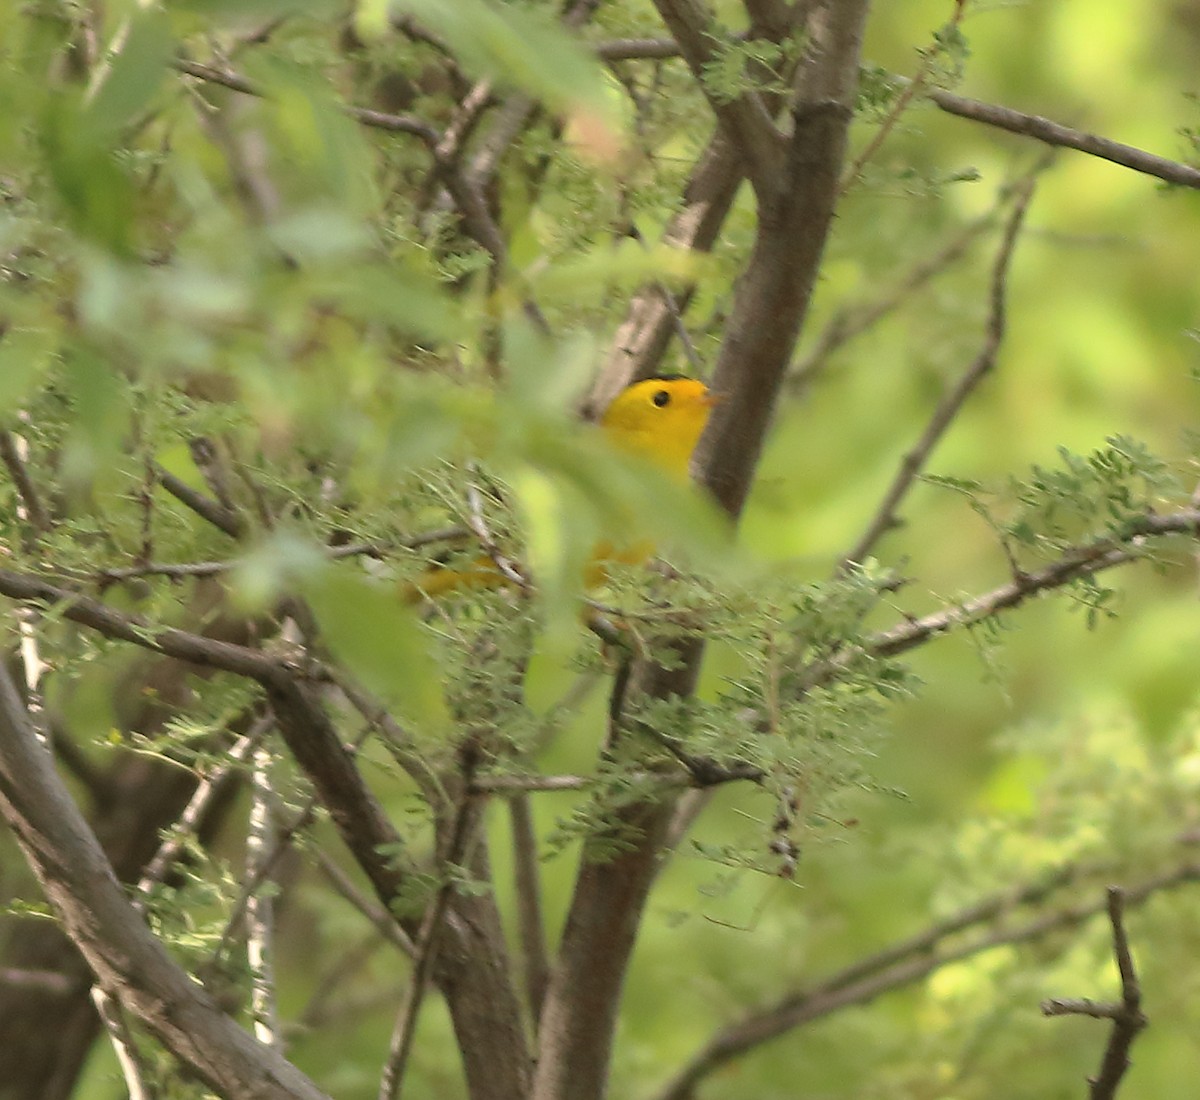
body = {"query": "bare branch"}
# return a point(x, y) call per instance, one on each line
point(643, 337)
point(429, 939)
point(182, 570)
point(379, 120)
point(381, 919)
point(853, 320)
point(948, 408)
point(904, 964)
point(217, 514)
point(1078, 562)
point(522, 783)
point(184, 646)
point(636, 49)
point(122, 1043)
point(774, 293)
point(795, 209)
point(11, 455)
point(652, 318)
point(529, 902)
point(1126, 1014)
point(260, 906)
point(1054, 133)
point(198, 805)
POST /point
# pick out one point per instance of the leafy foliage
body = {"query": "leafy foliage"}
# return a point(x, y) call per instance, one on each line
point(270, 354)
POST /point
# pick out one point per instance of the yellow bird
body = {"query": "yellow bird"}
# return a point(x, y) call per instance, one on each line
point(659, 419)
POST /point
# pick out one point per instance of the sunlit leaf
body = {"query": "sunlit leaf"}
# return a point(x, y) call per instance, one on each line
point(133, 76)
point(380, 640)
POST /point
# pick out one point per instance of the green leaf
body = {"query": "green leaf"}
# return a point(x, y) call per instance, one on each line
point(413, 303)
point(25, 354)
point(96, 193)
point(378, 640)
point(247, 11)
point(101, 403)
point(133, 78)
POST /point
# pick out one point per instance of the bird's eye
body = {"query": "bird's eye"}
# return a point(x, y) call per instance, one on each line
point(661, 398)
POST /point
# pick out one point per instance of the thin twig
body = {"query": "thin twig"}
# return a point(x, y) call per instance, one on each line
point(507, 784)
point(383, 921)
point(219, 516)
point(198, 805)
point(907, 93)
point(377, 548)
point(853, 320)
point(14, 450)
point(885, 517)
point(338, 972)
point(379, 120)
point(673, 306)
point(428, 939)
point(1126, 1014)
point(170, 642)
point(109, 1011)
point(1077, 562)
point(478, 524)
point(13, 453)
point(281, 842)
point(1054, 133)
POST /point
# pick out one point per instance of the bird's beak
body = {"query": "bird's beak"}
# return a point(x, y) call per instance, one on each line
point(711, 400)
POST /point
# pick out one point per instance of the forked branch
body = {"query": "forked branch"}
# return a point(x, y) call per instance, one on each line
point(1126, 1014)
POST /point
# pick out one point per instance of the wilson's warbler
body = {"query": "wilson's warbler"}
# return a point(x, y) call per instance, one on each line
point(659, 419)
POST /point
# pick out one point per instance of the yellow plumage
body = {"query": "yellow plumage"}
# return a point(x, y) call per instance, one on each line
point(659, 419)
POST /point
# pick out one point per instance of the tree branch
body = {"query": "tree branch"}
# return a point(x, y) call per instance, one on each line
point(379, 120)
point(478, 995)
point(652, 318)
point(773, 294)
point(528, 890)
point(428, 939)
point(10, 454)
point(1054, 133)
point(1003, 118)
point(745, 120)
point(180, 644)
point(885, 517)
point(853, 320)
point(795, 208)
point(908, 962)
point(203, 797)
point(637, 49)
point(642, 338)
point(126, 958)
point(206, 508)
point(1126, 1014)
point(1081, 561)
